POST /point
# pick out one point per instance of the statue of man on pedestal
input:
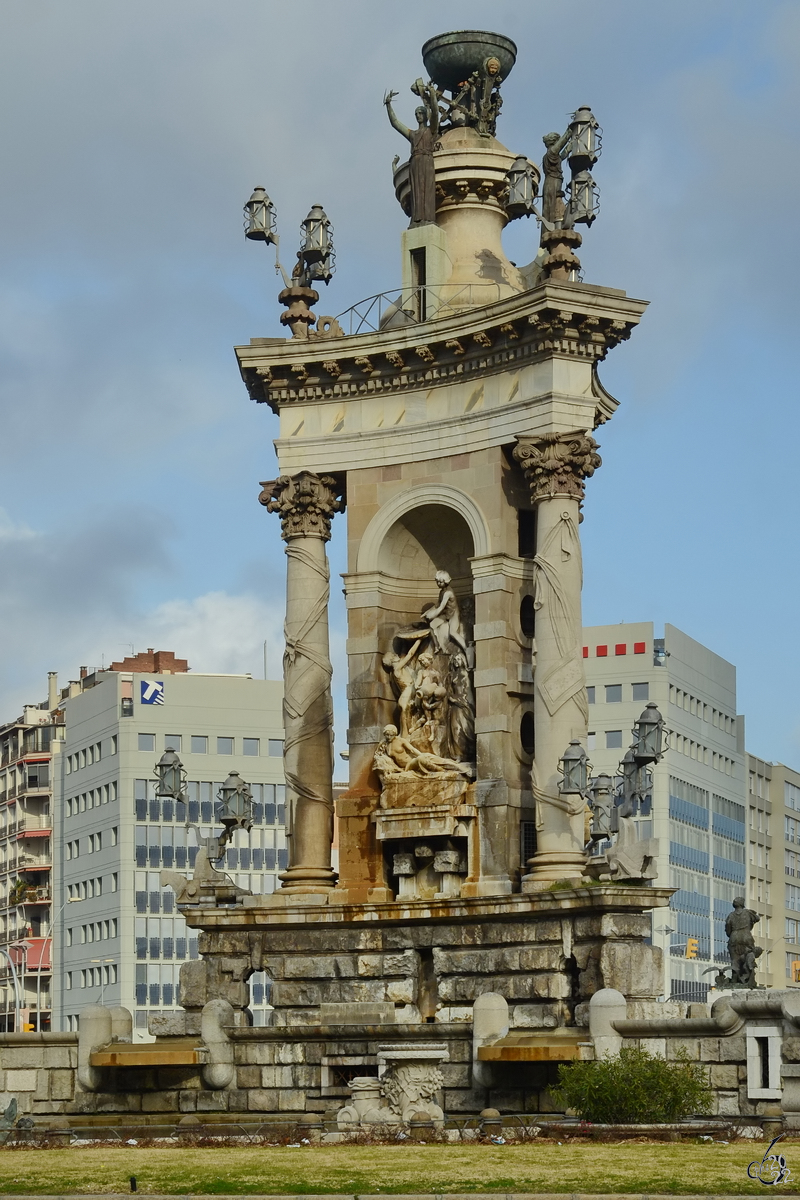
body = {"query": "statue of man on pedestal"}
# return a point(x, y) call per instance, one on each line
point(741, 946)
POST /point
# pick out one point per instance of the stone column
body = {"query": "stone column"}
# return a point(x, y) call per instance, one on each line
point(306, 503)
point(555, 466)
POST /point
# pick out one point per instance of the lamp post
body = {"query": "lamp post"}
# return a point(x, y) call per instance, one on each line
point(235, 797)
point(102, 979)
point(315, 258)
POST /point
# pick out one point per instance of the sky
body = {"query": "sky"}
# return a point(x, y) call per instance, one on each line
point(131, 134)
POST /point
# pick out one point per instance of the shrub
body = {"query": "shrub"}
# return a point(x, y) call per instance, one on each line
point(634, 1087)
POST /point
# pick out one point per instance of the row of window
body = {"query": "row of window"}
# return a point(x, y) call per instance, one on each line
point(613, 692)
point(792, 896)
point(792, 930)
point(759, 856)
point(165, 846)
point(88, 756)
point(198, 744)
point(92, 844)
point(100, 976)
point(791, 863)
point(705, 712)
point(90, 889)
point(195, 811)
point(94, 798)
point(95, 931)
point(162, 948)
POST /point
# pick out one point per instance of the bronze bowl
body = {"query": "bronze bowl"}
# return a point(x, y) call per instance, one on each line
point(450, 58)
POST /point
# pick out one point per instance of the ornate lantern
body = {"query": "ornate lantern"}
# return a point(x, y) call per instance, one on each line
point(522, 187)
point(237, 803)
point(575, 769)
point(586, 141)
point(601, 800)
point(317, 250)
point(648, 733)
point(259, 218)
point(584, 199)
point(170, 775)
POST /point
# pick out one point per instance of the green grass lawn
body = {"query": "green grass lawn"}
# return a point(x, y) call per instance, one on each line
point(531, 1167)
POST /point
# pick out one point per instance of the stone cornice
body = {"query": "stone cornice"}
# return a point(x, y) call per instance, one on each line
point(570, 320)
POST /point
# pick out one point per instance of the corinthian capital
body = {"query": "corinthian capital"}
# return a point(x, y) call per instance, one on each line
point(556, 464)
point(306, 503)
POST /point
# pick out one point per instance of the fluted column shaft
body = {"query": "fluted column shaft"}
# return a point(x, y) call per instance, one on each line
point(555, 466)
point(306, 503)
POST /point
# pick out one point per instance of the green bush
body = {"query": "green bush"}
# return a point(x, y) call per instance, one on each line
point(634, 1087)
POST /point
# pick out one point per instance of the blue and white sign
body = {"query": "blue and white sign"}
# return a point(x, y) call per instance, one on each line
point(152, 691)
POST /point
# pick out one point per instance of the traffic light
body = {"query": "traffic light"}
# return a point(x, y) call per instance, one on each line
point(691, 947)
point(28, 1027)
point(796, 970)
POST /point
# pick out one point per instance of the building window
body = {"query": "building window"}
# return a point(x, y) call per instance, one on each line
point(590, 695)
point(614, 694)
point(114, 835)
point(591, 741)
point(114, 744)
point(613, 739)
point(199, 745)
point(275, 748)
point(640, 691)
point(251, 746)
point(147, 741)
point(114, 888)
point(224, 745)
point(172, 741)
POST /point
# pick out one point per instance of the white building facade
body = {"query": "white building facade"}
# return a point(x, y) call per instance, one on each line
point(699, 800)
point(121, 940)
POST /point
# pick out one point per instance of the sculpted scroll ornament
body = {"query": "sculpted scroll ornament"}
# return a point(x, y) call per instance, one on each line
point(556, 464)
point(305, 503)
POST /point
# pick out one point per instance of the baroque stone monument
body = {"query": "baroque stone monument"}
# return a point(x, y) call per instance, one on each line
point(457, 428)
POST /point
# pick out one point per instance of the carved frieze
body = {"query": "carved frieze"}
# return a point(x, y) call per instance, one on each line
point(305, 503)
point(557, 464)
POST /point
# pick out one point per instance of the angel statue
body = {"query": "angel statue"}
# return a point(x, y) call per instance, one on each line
point(423, 139)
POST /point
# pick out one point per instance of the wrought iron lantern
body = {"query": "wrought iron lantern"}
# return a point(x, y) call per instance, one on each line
point(648, 733)
point(522, 188)
point(237, 804)
point(584, 199)
point(586, 140)
point(259, 218)
point(317, 252)
point(170, 775)
point(575, 768)
point(601, 800)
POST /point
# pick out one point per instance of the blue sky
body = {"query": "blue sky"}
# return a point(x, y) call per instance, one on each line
point(130, 454)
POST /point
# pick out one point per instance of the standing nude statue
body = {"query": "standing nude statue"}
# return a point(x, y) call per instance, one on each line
point(444, 617)
point(422, 175)
point(404, 679)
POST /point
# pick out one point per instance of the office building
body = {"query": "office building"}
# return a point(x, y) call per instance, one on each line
point(699, 798)
point(122, 940)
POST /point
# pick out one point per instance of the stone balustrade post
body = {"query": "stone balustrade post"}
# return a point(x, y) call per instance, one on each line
point(556, 466)
point(306, 504)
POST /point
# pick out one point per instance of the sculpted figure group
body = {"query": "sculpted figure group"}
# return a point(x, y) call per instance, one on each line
point(428, 667)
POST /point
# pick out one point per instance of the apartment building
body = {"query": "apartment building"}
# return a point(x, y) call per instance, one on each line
point(29, 747)
point(699, 799)
point(121, 940)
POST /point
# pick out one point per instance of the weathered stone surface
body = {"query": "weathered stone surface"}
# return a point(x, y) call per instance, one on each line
point(401, 991)
point(171, 1024)
point(727, 1104)
point(534, 1016)
point(193, 987)
point(19, 1057)
point(161, 1102)
point(62, 1084)
point(187, 1101)
point(791, 1049)
point(733, 1049)
point(249, 1077)
point(709, 1049)
point(724, 1075)
point(21, 1081)
point(212, 1101)
point(632, 968)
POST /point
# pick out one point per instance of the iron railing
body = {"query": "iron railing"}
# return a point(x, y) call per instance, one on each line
point(411, 306)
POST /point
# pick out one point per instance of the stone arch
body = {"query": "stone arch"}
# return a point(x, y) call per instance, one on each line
point(424, 522)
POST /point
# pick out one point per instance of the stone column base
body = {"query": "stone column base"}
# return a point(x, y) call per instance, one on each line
point(307, 879)
point(550, 866)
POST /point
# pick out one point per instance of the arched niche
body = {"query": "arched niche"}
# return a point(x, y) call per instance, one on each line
point(396, 530)
point(425, 540)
